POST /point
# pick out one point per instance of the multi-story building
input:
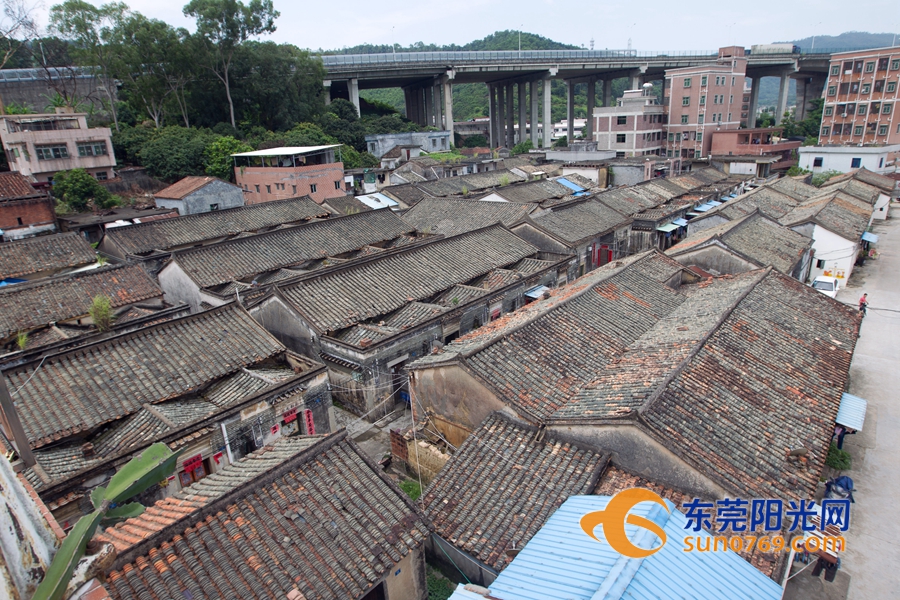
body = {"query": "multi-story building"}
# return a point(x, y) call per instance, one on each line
point(289, 172)
point(635, 126)
point(40, 145)
point(703, 99)
point(860, 98)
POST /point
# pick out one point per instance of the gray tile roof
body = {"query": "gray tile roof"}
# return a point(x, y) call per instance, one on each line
point(533, 191)
point(346, 205)
point(385, 283)
point(859, 190)
point(454, 186)
point(414, 313)
point(885, 184)
point(795, 189)
point(755, 237)
point(583, 220)
point(836, 211)
point(241, 259)
point(407, 193)
point(325, 522)
point(451, 217)
point(502, 485)
point(460, 294)
point(768, 201)
point(44, 253)
point(193, 229)
point(79, 390)
point(28, 305)
point(631, 200)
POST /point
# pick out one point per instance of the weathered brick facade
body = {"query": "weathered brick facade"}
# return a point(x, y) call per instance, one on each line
point(18, 216)
point(264, 184)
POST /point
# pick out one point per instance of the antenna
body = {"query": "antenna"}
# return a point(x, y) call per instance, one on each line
point(592, 42)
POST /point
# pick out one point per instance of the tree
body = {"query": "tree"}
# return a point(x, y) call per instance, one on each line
point(176, 152)
point(225, 25)
point(91, 29)
point(16, 24)
point(77, 188)
point(218, 159)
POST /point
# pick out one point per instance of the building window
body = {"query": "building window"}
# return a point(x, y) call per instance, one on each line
point(861, 110)
point(101, 175)
point(866, 88)
point(700, 119)
point(699, 136)
point(620, 155)
point(829, 110)
point(883, 64)
point(92, 149)
point(703, 80)
point(870, 67)
point(686, 100)
point(879, 85)
point(855, 163)
point(886, 109)
point(845, 89)
point(832, 90)
point(857, 131)
point(677, 137)
point(684, 119)
point(687, 82)
point(820, 263)
point(671, 137)
point(892, 86)
point(294, 188)
point(337, 185)
point(729, 117)
point(835, 69)
point(702, 100)
point(895, 64)
point(257, 188)
point(620, 138)
point(731, 99)
point(882, 130)
point(51, 152)
point(621, 120)
point(817, 161)
point(669, 153)
point(875, 108)
point(312, 188)
point(213, 207)
point(858, 66)
point(268, 189)
point(434, 143)
point(825, 130)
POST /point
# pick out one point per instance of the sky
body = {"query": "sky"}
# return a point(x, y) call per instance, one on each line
point(650, 24)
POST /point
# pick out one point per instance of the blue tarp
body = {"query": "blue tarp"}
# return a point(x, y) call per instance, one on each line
point(870, 237)
point(680, 222)
point(851, 412)
point(703, 207)
point(714, 203)
point(569, 184)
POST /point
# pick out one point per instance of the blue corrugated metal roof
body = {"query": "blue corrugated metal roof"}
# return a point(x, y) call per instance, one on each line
point(869, 237)
point(714, 203)
point(703, 207)
point(852, 412)
point(680, 222)
point(572, 186)
point(562, 563)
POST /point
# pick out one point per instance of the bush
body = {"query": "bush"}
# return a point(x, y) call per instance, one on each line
point(819, 179)
point(795, 170)
point(411, 489)
point(838, 459)
point(476, 141)
point(78, 188)
point(522, 147)
point(439, 587)
point(176, 152)
point(218, 159)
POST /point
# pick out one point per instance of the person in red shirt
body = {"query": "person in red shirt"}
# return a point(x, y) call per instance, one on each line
point(863, 303)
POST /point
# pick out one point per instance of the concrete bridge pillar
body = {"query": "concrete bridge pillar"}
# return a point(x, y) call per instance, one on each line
point(533, 95)
point(353, 86)
point(492, 108)
point(408, 103)
point(634, 79)
point(501, 115)
point(570, 111)
point(607, 92)
point(429, 106)
point(510, 116)
point(448, 106)
point(808, 89)
point(523, 110)
point(754, 101)
point(592, 84)
point(438, 105)
point(327, 85)
point(547, 121)
point(781, 107)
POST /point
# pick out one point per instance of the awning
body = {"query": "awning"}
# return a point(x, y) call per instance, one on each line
point(680, 222)
point(537, 291)
point(852, 412)
point(703, 207)
point(870, 237)
point(667, 227)
point(693, 214)
point(714, 203)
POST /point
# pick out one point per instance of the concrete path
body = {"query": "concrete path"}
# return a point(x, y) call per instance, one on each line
point(873, 544)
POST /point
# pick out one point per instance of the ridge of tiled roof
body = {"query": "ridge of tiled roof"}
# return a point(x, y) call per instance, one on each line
point(191, 229)
point(628, 201)
point(452, 216)
point(187, 185)
point(43, 253)
point(767, 200)
point(28, 305)
point(533, 191)
point(836, 211)
point(795, 189)
point(579, 221)
point(755, 237)
point(885, 184)
point(221, 263)
point(502, 485)
point(325, 522)
point(385, 282)
point(14, 186)
point(80, 389)
point(168, 511)
point(453, 186)
point(858, 189)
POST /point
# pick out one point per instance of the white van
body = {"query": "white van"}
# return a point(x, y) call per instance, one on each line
point(826, 285)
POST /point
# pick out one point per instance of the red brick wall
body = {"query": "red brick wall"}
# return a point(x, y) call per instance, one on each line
point(32, 212)
point(322, 176)
point(399, 448)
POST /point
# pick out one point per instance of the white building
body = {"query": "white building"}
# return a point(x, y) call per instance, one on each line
point(880, 159)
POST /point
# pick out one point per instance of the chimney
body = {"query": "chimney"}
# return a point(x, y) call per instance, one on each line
point(87, 450)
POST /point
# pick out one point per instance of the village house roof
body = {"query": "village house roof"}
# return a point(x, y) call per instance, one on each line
point(795, 189)
point(858, 189)
point(44, 253)
point(836, 211)
point(325, 522)
point(241, 258)
point(15, 186)
point(76, 391)
point(708, 175)
point(882, 182)
point(28, 305)
point(407, 193)
point(767, 200)
point(579, 180)
point(449, 216)
point(631, 200)
point(664, 186)
point(579, 221)
point(755, 237)
point(533, 191)
point(187, 186)
point(454, 186)
point(502, 485)
point(193, 229)
point(363, 290)
point(344, 205)
point(702, 367)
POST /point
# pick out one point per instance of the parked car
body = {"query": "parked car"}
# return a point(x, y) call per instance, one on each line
point(826, 285)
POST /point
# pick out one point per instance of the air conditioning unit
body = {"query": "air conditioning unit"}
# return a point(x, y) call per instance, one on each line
point(844, 115)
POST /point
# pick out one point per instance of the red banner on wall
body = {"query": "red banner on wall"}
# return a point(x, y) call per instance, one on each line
point(310, 424)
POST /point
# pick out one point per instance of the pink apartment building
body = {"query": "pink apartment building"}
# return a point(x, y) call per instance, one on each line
point(861, 98)
point(704, 99)
point(755, 142)
point(289, 172)
point(635, 126)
